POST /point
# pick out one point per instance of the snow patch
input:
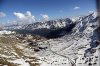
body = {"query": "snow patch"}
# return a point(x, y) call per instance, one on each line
point(21, 62)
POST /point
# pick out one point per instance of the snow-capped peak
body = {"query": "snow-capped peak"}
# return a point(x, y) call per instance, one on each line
point(85, 22)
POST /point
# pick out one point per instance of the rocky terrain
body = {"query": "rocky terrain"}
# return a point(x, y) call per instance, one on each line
point(79, 46)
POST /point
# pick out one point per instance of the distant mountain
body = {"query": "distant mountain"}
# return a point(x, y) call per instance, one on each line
point(59, 23)
point(12, 27)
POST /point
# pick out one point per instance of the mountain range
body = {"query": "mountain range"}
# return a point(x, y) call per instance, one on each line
point(64, 42)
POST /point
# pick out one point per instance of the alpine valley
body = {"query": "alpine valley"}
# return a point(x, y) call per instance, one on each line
point(60, 42)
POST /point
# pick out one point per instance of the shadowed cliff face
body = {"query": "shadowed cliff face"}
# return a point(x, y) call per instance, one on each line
point(60, 32)
point(49, 33)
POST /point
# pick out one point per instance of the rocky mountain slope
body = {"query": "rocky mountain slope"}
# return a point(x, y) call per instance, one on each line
point(81, 47)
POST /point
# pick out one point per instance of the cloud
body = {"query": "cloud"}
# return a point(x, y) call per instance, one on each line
point(2, 14)
point(19, 15)
point(91, 11)
point(76, 8)
point(45, 17)
point(25, 17)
